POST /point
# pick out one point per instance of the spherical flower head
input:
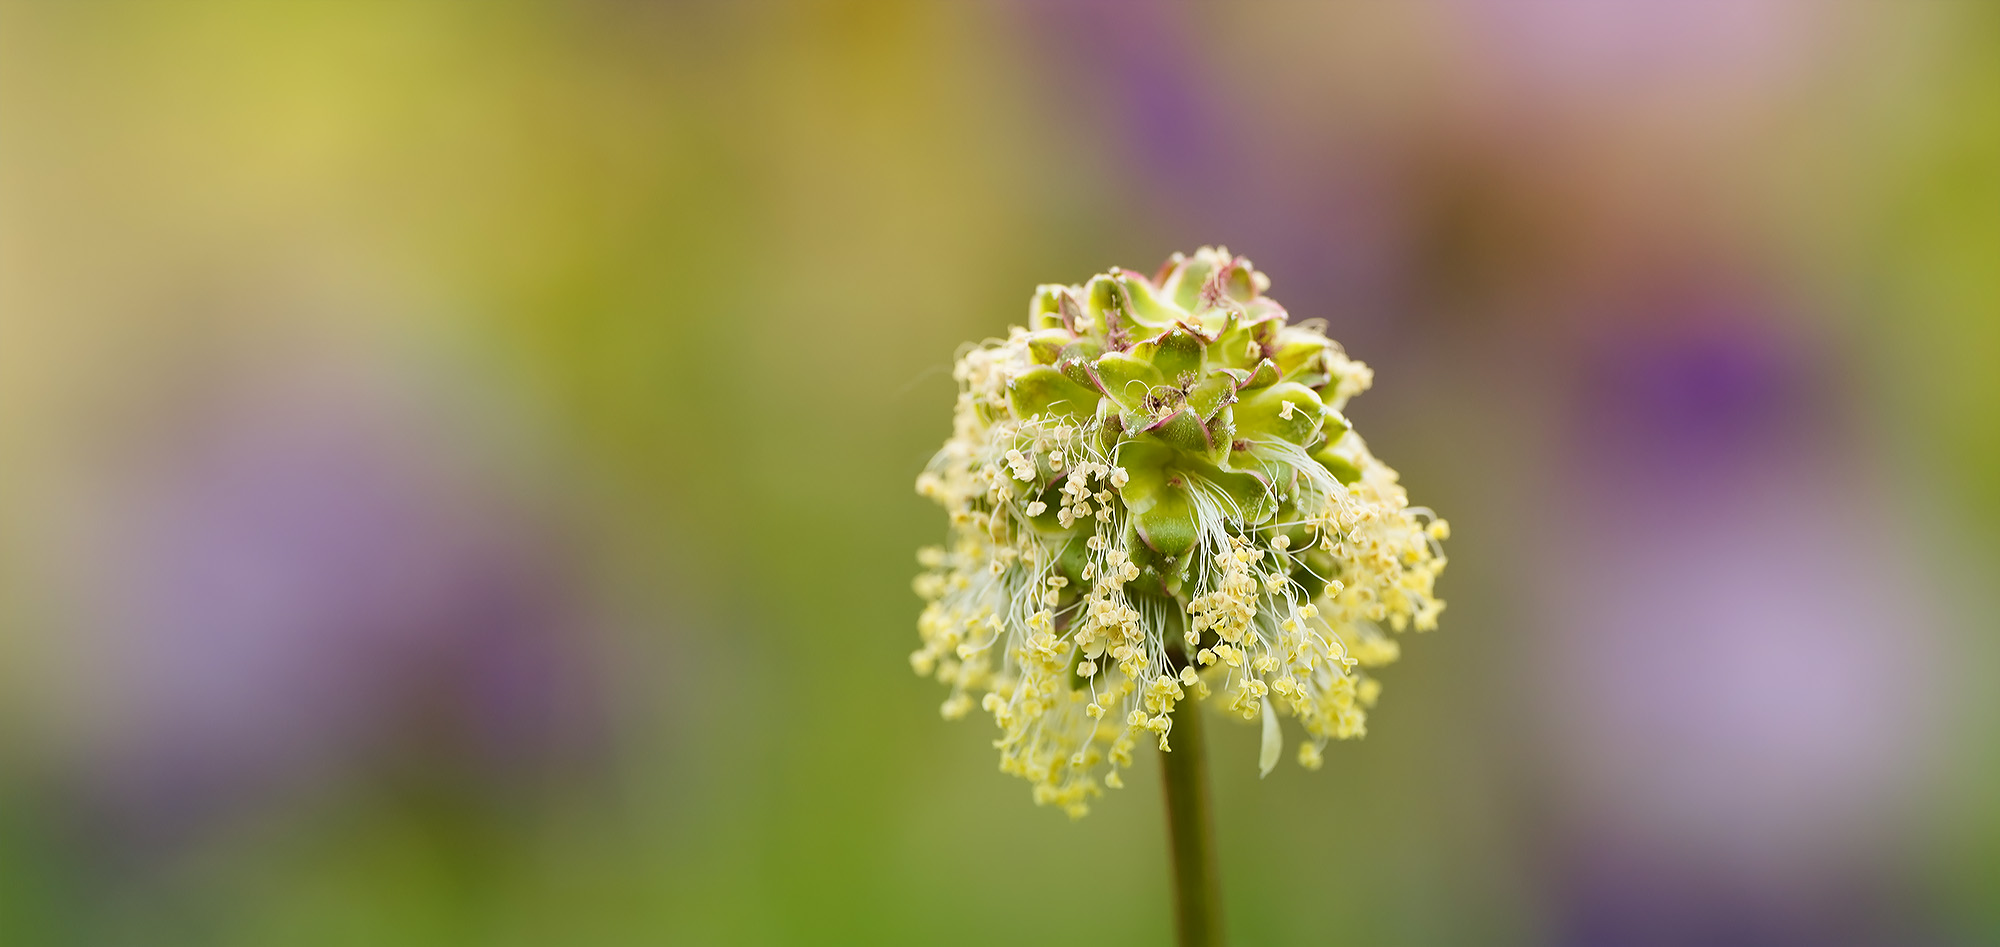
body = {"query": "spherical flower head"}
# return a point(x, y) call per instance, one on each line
point(1154, 497)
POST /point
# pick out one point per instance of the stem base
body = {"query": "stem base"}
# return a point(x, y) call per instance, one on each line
point(1191, 830)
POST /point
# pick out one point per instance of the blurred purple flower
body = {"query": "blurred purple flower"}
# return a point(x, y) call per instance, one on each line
point(1741, 675)
point(309, 576)
point(1698, 379)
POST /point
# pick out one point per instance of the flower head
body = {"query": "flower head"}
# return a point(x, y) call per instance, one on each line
point(1154, 497)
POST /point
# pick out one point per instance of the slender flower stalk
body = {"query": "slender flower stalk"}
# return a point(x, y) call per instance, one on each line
point(1155, 500)
point(1191, 833)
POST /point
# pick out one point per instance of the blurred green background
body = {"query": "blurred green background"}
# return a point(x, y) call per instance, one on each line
point(456, 462)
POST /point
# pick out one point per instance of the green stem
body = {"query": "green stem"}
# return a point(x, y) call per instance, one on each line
point(1191, 830)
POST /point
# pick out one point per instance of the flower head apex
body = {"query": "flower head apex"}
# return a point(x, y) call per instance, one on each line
point(1154, 497)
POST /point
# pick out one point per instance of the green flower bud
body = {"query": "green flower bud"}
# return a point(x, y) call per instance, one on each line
point(1154, 496)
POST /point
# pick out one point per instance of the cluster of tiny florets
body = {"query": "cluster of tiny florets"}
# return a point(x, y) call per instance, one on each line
point(1154, 497)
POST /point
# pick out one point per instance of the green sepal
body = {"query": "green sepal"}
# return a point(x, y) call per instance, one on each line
point(1299, 354)
point(1161, 526)
point(1045, 346)
point(1342, 469)
point(1222, 433)
point(1110, 424)
point(1275, 472)
point(1336, 424)
point(1043, 390)
point(1260, 487)
point(1263, 376)
point(1077, 370)
point(1083, 350)
point(1106, 306)
point(1155, 469)
point(1168, 527)
point(1210, 394)
point(1146, 307)
point(1240, 340)
point(1182, 430)
point(1342, 458)
point(1071, 559)
point(1251, 491)
point(1184, 286)
point(1145, 461)
point(1237, 281)
point(1126, 378)
point(1160, 575)
point(1261, 414)
point(1054, 307)
point(1174, 353)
